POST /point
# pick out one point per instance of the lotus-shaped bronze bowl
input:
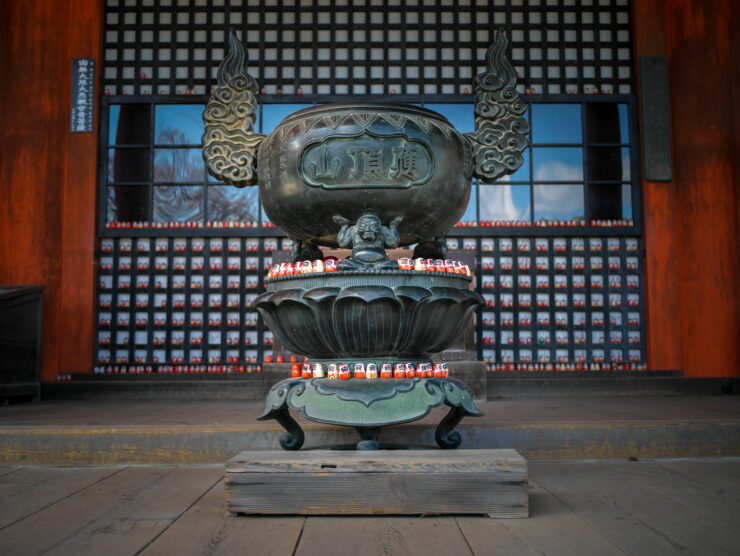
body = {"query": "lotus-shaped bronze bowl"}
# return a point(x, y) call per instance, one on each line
point(367, 315)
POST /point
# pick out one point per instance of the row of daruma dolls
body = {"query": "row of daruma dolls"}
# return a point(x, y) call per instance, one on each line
point(330, 265)
point(341, 371)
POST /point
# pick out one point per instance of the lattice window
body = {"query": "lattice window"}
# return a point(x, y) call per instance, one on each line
point(367, 47)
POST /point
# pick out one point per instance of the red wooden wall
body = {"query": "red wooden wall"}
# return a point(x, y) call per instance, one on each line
point(691, 223)
point(48, 180)
point(48, 175)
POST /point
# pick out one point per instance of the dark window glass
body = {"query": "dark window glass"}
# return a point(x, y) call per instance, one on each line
point(608, 164)
point(504, 202)
point(609, 201)
point(178, 203)
point(606, 122)
point(556, 123)
point(226, 202)
point(558, 202)
point(557, 164)
point(461, 116)
point(178, 124)
point(178, 165)
point(273, 114)
point(130, 124)
point(129, 165)
point(128, 204)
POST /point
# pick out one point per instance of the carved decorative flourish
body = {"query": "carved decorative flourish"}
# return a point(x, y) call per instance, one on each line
point(369, 403)
point(364, 321)
point(229, 142)
point(500, 127)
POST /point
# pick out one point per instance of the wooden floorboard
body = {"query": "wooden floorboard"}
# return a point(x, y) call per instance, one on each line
point(552, 529)
point(697, 488)
point(8, 470)
point(118, 515)
point(374, 536)
point(493, 536)
point(32, 489)
point(627, 511)
point(205, 529)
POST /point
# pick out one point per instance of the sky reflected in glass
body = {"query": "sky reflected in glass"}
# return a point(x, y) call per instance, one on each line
point(461, 116)
point(273, 114)
point(504, 202)
point(558, 202)
point(557, 164)
point(556, 123)
point(178, 124)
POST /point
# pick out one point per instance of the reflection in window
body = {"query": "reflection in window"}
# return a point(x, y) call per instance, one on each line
point(558, 202)
point(227, 203)
point(273, 114)
point(556, 123)
point(522, 174)
point(178, 203)
point(609, 201)
point(130, 124)
point(178, 165)
point(178, 124)
point(606, 122)
point(557, 164)
point(469, 217)
point(504, 203)
point(127, 204)
point(461, 116)
point(608, 164)
point(129, 165)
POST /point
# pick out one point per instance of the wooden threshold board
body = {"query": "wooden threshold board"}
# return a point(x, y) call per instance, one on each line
point(334, 482)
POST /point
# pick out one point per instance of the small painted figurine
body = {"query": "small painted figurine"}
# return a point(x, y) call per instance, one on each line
point(368, 238)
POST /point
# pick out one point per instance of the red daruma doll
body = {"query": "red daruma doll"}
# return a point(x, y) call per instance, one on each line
point(331, 372)
point(386, 371)
point(372, 371)
point(295, 370)
point(405, 264)
point(399, 371)
point(344, 372)
point(410, 370)
point(306, 371)
point(330, 265)
point(318, 265)
point(359, 370)
point(440, 370)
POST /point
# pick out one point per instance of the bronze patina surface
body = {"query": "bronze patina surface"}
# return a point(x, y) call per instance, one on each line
point(366, 176)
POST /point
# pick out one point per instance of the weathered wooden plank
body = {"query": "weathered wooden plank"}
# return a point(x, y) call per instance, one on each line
point(552, 529)
point(630, 513)
point(502, 461)
point(31, 489)
point(375, 493)
point(138, 518)
point(118, 515)
point(488, 536)
point(205, 529)
point(697, 486)
point(373, 536)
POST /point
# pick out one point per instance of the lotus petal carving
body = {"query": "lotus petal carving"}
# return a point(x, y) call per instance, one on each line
point(367, 320)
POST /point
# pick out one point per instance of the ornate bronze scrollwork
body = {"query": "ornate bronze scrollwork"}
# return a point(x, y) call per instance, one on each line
point(230, 143)
point(500, 127)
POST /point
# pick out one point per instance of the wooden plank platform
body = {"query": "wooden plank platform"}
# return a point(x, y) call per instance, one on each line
point(331, 482)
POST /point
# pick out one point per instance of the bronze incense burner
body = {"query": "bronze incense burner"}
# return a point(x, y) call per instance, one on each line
point(366, 176)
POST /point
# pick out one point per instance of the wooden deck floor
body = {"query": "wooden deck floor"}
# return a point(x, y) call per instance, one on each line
point(605, 507)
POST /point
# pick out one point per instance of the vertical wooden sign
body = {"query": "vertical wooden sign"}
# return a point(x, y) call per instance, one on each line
point(656, 119)
point(83, 103)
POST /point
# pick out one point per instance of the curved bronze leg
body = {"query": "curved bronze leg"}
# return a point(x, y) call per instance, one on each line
point(447, 438)
point(369, 436)
point(294, 438)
